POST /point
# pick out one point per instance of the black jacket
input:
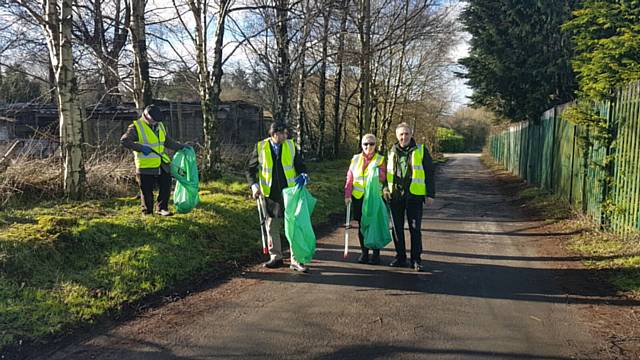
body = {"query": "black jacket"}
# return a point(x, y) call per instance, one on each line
point(401, 185)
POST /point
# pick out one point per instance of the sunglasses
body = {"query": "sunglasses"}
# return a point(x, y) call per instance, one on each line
point(368, 144)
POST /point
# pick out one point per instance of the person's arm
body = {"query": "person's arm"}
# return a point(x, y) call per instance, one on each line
point(252, 167)
point(171, 143)
point(298, 164)
point(383, 173)
point(348, 185)
point(129, 139)
point(427, 164)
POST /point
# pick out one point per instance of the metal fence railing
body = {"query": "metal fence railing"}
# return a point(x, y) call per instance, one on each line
point(561, 157)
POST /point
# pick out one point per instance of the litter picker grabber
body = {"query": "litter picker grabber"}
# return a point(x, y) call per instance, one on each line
point(262, 214)
point(392, 229)
point(347, 226)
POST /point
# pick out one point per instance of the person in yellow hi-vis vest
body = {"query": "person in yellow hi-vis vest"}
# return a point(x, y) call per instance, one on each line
point(276, 164)
point(410, 183)
point(354, 188)
point(148, 138)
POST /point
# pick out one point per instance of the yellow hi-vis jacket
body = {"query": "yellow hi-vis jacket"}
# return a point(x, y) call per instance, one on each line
point(287, 151)
point(147, 137)
point(360, 174)
point(418, 180)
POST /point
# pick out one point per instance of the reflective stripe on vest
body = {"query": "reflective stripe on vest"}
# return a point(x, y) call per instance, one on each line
point(360, 174)
point(265, 176)
point(147, 137)
point(418, 179)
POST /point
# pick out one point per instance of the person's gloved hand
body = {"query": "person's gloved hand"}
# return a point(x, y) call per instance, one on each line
point(146, 150)
point(302, 180)
point(386, 194)
point(255, 191)
point(347, 201)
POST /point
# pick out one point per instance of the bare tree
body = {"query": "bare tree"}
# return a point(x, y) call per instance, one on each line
point(142, 94)
point(106, 35)
point(56, 24)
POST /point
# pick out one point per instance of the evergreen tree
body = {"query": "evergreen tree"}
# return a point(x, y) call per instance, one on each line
point(606, 35)
point(518, 64)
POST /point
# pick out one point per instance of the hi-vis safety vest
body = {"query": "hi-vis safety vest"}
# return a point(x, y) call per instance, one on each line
point(147, 137)
point(418, 184)
point(287, 152)
point(360, 174)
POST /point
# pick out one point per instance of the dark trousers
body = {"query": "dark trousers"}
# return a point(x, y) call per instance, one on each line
point(413, 209)
point(147, 184)
point(356, 213)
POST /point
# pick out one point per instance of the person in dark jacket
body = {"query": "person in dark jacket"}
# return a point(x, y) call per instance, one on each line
point(410, 183)
point(276, 164)
point(148, 138)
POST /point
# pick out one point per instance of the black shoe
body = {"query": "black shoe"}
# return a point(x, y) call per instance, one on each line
point(364, 258)
point(417, 266)
point(398, 263)
point(274, 264)
point(375, 258)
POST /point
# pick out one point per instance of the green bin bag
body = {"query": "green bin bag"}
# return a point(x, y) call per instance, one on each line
point(298, 207)
point(374, 221)
point(184, 167)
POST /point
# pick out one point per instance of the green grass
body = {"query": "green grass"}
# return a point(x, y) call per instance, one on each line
point(63, 264)
point(619, 258)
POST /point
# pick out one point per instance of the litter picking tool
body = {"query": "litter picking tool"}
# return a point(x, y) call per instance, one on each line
point(347, 226)
point(392, 229)
point(263, 225)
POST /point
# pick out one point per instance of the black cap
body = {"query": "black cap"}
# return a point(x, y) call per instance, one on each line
point(277, 127)
point(154, 112)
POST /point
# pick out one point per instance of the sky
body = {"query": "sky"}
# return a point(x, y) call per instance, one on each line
point(460, 91)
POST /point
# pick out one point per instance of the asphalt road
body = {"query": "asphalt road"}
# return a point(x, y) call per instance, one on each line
point(485, 294)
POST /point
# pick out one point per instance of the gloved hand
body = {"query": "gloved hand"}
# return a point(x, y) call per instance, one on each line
point(146, 150)
point(302, 180)
point(386, 194)
point(255, 191)
point(347, 201)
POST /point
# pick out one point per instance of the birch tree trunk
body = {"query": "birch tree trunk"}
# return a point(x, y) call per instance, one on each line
point(57, 26)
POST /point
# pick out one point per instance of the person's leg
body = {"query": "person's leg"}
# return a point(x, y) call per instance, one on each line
point(356, 211)
point(414, 218)
point(398, 208)
point(146, 183)
point(274, 224)
point(164, 183)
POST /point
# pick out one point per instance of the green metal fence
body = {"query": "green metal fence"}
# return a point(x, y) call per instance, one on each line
point(552, 153)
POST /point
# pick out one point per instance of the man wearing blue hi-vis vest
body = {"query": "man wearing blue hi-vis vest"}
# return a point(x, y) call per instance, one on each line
point(276, 164)
point(148, 139)
point(410, 183)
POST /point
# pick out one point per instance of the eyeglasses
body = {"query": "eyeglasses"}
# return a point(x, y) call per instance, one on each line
point(368, 144)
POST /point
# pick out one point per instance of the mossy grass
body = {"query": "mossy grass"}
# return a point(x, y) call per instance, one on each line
point(66, 263)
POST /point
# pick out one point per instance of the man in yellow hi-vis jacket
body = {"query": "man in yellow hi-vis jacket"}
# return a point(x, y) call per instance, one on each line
point(147, 137)
point(410, 183)
point(275, 164)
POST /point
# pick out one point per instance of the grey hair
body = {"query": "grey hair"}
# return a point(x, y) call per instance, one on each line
point(368, 136)
point(404, 125)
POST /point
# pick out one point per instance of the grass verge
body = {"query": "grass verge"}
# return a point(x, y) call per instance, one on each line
point(616, 257)
point(65, 264)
